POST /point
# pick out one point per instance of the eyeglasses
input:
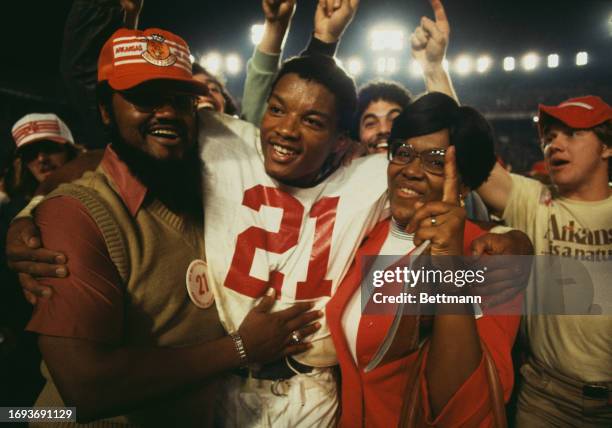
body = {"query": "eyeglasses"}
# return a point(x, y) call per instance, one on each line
point(149, 101)
point(401, 153)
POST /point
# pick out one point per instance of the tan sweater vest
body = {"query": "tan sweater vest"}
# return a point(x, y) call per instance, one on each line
point(151, 253)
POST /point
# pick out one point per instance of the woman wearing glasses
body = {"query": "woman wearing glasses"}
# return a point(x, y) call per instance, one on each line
point(424, 192)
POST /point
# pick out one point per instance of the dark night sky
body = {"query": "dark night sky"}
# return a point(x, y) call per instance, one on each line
point(499, 28)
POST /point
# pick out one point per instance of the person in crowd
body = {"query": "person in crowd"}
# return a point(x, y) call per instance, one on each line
point(379, 102)
point(567, 379)
point(123, 330)
point(3, 195)
point(425, 205)
point(43, 144)
point(217, 98)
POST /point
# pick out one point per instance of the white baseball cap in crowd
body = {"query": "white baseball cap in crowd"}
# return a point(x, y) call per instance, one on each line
point(35, 127)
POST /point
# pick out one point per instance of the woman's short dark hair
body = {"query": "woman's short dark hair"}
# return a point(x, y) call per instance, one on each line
point(324, 70)
point(469, 132)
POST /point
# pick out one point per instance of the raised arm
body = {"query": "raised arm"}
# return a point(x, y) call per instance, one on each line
point(88, 26)
point(495, 192)
point(332, 17)
point(278, 15)
point(429, 42)
point(131, 10)
point(263, 65)
point(454, 351)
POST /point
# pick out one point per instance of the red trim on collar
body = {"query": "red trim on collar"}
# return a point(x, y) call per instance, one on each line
point(131, 190)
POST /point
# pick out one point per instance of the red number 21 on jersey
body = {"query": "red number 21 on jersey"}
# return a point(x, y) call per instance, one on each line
point(315, 285)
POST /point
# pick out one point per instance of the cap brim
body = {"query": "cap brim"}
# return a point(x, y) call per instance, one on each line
point(554, 112)
point(46, 137)
point(124, 83)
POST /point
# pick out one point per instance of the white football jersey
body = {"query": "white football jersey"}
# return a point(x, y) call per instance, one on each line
point(260, 233)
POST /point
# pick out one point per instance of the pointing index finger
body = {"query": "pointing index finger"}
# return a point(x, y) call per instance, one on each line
point(450, 191)
point(440, 16)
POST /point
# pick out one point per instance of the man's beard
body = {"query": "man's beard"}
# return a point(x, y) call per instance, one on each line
point(177, 183)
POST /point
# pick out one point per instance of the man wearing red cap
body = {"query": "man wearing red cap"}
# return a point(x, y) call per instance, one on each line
point(125, 337)
point(567, 380)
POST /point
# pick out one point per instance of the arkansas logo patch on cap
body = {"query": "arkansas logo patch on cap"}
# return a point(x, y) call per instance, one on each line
point(158, 52)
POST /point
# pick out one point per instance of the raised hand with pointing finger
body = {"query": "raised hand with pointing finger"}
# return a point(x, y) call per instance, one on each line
point(430, 39)
point(429, 42)
point(442, 222)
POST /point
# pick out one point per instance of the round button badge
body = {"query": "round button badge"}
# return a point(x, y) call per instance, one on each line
point(198, 289)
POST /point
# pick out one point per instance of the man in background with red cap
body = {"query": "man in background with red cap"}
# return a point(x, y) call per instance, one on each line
point(124, 338)
point(567, 380)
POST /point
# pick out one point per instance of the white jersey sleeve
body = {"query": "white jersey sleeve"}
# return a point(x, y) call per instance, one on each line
point(260, 233)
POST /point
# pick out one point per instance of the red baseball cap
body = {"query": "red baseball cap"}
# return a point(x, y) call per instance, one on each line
point(131, 57)
point(578, 113)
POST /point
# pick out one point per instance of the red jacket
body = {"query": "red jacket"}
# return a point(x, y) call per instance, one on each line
point(374, 399)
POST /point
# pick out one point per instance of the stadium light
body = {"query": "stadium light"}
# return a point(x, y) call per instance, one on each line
point(553, 61)
point(483, 63)
point(415, 68)
point(386, 65)
point(582, 58)
point(535, 119)
point(212, 62)
point(257, 31)
point(354, 66)
point(233, 64)
point(509, 63)
point(464, 65)
point(530, 61)
point(386, 38)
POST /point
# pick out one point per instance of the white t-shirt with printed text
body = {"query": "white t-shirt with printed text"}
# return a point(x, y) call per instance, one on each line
point(577, 280)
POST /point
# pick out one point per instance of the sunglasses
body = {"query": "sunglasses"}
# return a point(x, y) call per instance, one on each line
point(149, 101)
point(402, 153)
